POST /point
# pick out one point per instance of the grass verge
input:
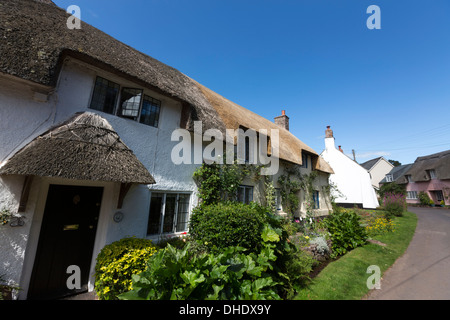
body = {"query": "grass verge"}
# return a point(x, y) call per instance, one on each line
point(345, 278)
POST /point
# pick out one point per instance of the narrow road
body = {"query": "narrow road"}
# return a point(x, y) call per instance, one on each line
point(423, 272)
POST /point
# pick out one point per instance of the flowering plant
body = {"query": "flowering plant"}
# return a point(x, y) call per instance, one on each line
point(394, 204)
point(379, 225)
point(5, 216)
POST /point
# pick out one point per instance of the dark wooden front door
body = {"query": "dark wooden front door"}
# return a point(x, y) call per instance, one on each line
point(67, 238)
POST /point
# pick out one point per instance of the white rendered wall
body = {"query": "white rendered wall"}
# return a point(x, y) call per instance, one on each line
point(352, 180)
point(22, 119)
point(379, 171)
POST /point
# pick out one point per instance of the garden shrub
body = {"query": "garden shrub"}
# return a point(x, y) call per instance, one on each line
point(222, 225)
point(117, 262)
point(394, 204)
point(177, 275)
point(321, 245)
point(391, 187)
point(424, 198)
point(346, 231)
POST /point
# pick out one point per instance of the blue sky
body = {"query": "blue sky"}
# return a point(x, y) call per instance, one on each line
point(383, 92)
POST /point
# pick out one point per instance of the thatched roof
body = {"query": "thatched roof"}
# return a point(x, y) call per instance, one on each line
point(85, 147)
point(439, 162)
point(234, 116)
point(35, 39)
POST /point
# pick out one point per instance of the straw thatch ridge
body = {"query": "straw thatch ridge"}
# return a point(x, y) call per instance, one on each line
point(439, 162)
point(35, 41)
point(85, 147)
point(236, 116)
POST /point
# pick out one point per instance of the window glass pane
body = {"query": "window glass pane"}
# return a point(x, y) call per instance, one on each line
point(130, 101)
point(154, 221)
point(316, 199)
point(248, 195)
point(432, 174)
point(278, 199)
point(245, 194)
point(247, 149)
point(183, 213)
point(304, 161)
point(105, 95)
point(150, 111)
point(169, 212)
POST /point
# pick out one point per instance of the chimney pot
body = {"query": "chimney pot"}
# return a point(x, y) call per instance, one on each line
point(328, 133)
point(282, 121)
point(340, 149)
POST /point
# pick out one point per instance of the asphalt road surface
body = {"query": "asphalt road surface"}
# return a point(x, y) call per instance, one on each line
point(423, 272)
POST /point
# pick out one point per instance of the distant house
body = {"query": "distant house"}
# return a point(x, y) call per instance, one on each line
point(430, 174)
point(377, 168)
point(397, 175)
point(352, 180)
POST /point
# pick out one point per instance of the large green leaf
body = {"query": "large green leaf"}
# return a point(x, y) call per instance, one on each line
point(269, 234)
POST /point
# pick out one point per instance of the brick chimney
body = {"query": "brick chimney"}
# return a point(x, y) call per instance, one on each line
point(340, 149)
point(328, 133)
point(282, 121)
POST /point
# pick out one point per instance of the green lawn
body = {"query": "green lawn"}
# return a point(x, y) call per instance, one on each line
point(345, 278)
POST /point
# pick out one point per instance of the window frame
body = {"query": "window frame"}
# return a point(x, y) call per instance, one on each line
point(117, 108)
point(389, 178)
point(316, 199)
point(432, 174)
point(304, 161)
point(245, 188)
point(412, 195)
point(278, 200)
point(162, 213)
point(93, 95)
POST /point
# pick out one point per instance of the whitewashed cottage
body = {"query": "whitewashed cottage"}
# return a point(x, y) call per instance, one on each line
point(353, 182)
point(85, 146)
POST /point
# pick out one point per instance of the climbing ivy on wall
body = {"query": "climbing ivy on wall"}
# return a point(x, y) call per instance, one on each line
point(291, 182)
point(220, 182)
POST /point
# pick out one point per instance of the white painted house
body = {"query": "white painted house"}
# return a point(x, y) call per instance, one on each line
point(378, 168)
point(85, 146)
point(352, 180)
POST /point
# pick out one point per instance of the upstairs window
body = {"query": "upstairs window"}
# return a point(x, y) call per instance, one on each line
point(132, 104)
point(389, 178)
point(150, 111)
point(304, 161)
point(105, 95)
point(408, 178)
point(432, 174)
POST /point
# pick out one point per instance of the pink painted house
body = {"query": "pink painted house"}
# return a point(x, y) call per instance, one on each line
point(430, 174)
